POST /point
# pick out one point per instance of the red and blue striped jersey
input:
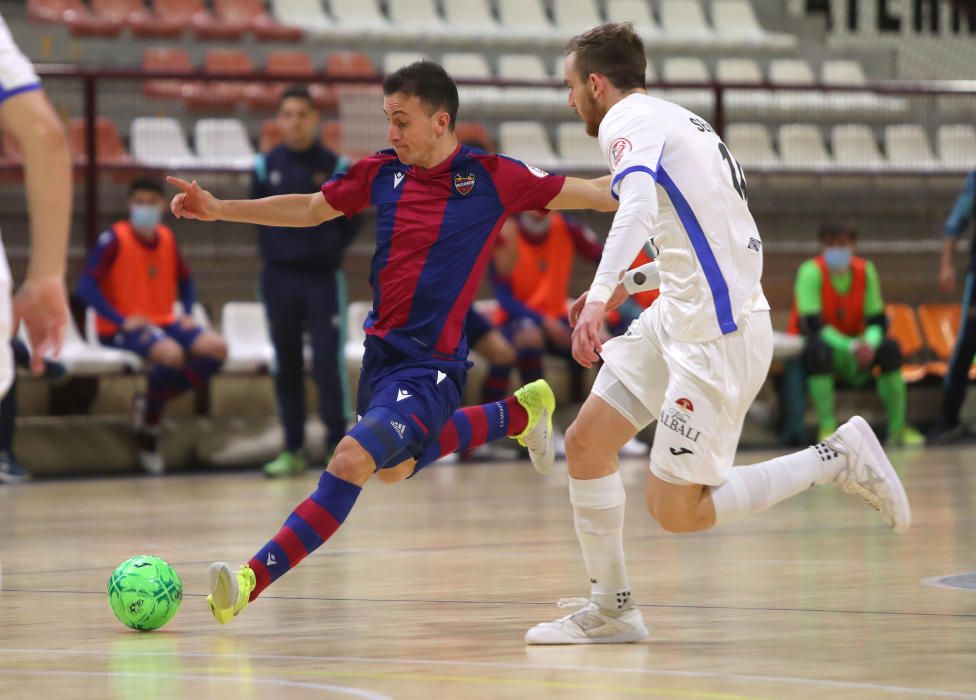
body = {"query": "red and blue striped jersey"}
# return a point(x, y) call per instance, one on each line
point(435, 229)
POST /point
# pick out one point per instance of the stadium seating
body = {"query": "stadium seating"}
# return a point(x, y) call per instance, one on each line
point(80, 20)
point(689, 70)
point(474, 133)
point(245, 330)
point(160, 142)
point(525, 21)
point(462, 66)
point(292, 63)
point(801, 146)
point(306, 15)
point(394, 60)
point(526, 101)
point(350, 64)
point(83, 357)
point(134, 15)
point(223, 143)
point(529, 142)
point(908, 147)
point(903, 327)
point(683, 21)
point(735, 23)
point(577, 150)
point(252, 14)
point(575, 16)
point(742, 103)
point(957, 146)
point(472, 21)
point(194, 15)
point(752, 145)
point(418, 17)
point(360, 19)
point(940, 326)
point(221, 94)
point(638, 13)
point(165, 58)
point(109, 149)
point(856, 148)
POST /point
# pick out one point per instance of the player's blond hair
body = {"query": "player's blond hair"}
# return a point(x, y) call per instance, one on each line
point(612, 50)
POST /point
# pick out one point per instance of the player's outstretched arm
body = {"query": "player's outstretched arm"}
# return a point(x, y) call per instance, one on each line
point(286, 210)
point(41, 303)
point(585, 194)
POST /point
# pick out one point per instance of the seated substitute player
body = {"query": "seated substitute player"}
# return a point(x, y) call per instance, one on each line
point(838, 309)
point(439, 208)
point(132, 279)
point(694, 360)
point(530, 274)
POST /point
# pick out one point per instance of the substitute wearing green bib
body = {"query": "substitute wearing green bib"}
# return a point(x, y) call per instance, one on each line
point(839, 310)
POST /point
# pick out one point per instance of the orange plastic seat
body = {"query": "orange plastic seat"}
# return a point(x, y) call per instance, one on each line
point(165, 58)
point(221, 94)
point(252, 14)
point(940, 325)
point(474, 133)
point(291, 63)
point(903, 328)
point(134, 15)
point(193, 15)
point(80, 20)
point(109, 149)
point(350, 64)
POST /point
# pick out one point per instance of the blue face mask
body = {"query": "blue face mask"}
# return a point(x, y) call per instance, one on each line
point(838, 258)
point(145, 217)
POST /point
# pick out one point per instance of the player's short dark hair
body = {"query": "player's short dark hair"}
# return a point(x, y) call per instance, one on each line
point(428, 82)
point(613, 50)
point(299, 92)
point(830, 230)
point(146, 184)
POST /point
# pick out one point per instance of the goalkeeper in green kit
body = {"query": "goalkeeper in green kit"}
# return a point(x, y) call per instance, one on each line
point(839, 311)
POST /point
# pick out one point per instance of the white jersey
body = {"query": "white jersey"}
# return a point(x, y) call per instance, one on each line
point(16, 71)
point(704, 239)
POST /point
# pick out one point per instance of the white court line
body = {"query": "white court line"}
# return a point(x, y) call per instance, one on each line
point(925, 692)
point(342, 690)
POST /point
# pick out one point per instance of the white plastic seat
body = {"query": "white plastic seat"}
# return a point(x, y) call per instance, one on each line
point(223, 143)
point(638, 13)
point(526, 100)
point(752, 145)
point(160, 141)
point(395, 60)
point(577, 150)
point(198, 314)
point(307, 14)
point(355, 335)
point(855, 147)
point(417, 17)
point(908, 147)
point(245, 330)
point(575, 16)
point(684, 21)
point(957, 145)
point(792, 71)
point(842, 72)
point(360, 18)
point(471, 20)
point(689, 70)
point(528, 142)
point(738, 70)
point(802, 146)
point(471, 65)
point(85, 358)
point(526, 19)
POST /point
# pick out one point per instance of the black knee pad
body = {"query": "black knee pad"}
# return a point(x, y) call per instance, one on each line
point(888, 357)
point(817, 357)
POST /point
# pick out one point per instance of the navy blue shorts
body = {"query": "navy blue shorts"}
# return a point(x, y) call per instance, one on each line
point(476, 327)
point(141, 341)
point(403, 402)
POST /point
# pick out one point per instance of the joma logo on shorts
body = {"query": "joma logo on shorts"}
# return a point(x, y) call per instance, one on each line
point(678, 422)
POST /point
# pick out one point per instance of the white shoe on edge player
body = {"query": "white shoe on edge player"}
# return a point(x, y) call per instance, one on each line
point(867, 473)
point(591, 624)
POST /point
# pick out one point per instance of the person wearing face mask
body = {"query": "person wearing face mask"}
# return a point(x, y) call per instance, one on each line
point(132, 279)
point(839, 310)
point(302, 284)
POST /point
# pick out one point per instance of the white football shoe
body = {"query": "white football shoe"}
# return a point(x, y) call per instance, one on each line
point(591, 624)
point(866, 472)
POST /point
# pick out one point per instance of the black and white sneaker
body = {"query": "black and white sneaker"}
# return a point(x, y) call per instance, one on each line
point(10, 470)
point(147, 438)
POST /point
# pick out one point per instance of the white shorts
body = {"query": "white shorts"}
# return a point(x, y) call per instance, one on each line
point(698, 392)
point(6, 329)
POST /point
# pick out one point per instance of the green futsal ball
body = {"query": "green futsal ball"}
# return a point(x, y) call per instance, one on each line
point(145, 592)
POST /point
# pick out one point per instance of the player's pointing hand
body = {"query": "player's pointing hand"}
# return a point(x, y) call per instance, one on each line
point(193, 202)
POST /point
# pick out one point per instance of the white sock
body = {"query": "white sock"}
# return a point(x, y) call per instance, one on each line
point(757, 487)
point(598, 512)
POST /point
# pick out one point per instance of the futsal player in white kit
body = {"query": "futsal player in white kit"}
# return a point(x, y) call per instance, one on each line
point(694, 360)
point(41, 302)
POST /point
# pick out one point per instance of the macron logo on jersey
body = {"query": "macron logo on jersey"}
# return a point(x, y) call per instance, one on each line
point(271, 559)
point(397, 179)
point(401, 395)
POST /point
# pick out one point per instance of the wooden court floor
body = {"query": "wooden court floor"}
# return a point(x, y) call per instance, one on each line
point(427, 591)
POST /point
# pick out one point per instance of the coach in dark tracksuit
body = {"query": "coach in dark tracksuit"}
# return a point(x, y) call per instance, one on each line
point(302, 284)
point(949, 428)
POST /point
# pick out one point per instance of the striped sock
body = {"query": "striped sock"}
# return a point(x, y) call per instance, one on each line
point(530, 364)
point(476, 425)
point(313, 522)
point(496, 383)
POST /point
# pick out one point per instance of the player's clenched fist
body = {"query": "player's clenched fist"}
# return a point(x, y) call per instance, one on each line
point(193, 202)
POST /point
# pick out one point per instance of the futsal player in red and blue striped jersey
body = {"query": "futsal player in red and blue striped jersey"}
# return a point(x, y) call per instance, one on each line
point(439, 207)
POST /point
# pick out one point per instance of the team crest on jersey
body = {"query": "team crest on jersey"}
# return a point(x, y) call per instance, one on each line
point(464, 183)
point(618, 149)
point(686, 404)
